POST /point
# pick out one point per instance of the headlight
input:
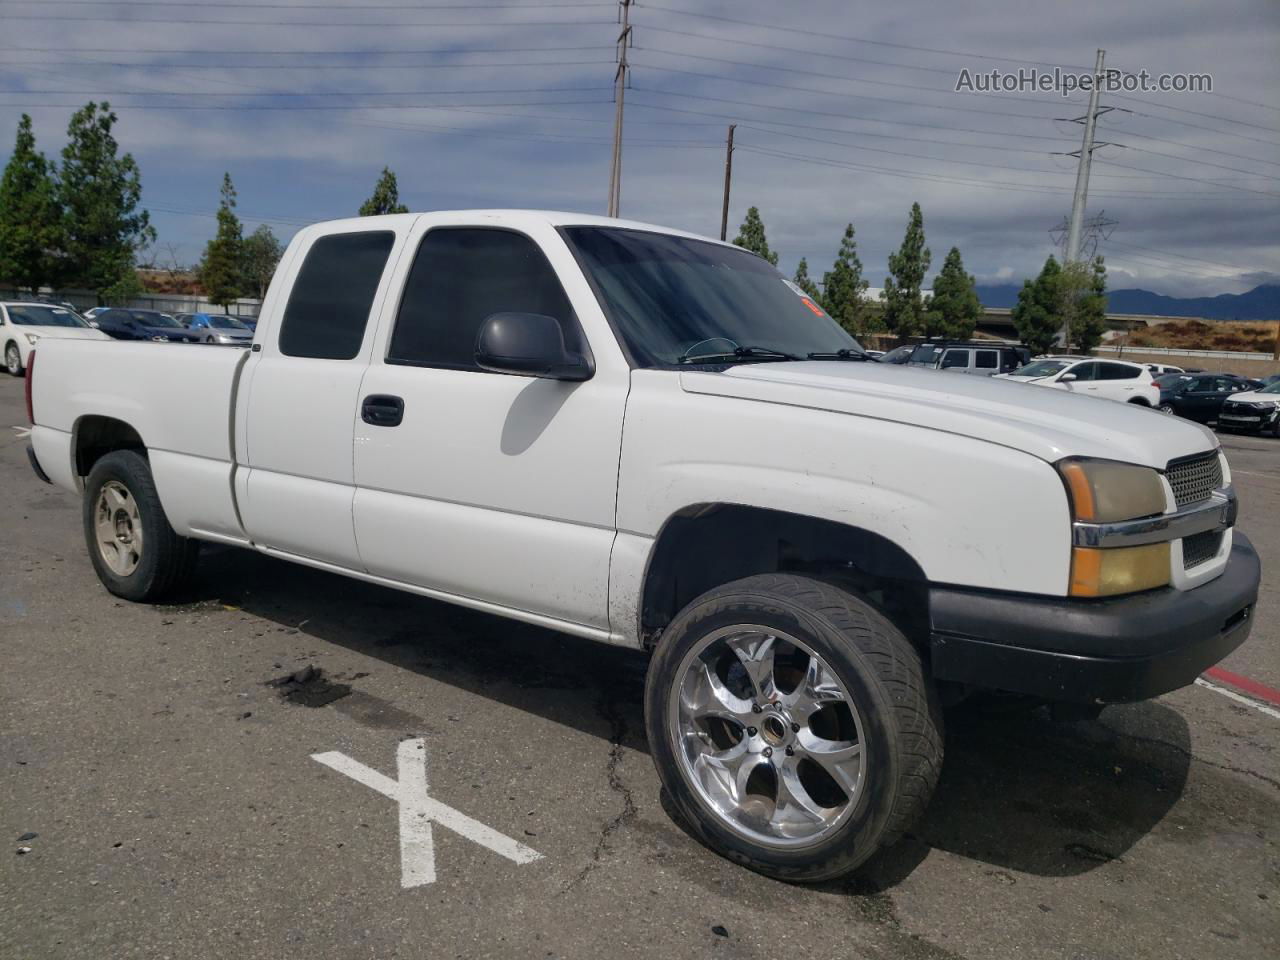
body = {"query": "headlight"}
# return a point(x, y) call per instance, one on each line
point(32, 338)
point(223, 339)
point(1103, 491)
point(160, 339)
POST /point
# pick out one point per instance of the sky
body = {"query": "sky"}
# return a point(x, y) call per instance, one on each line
point(846, 112)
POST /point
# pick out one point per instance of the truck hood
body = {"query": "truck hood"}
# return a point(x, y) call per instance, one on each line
point(1049, 424)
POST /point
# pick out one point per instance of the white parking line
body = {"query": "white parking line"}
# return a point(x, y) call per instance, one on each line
point(417, 811)
point(1239, 698)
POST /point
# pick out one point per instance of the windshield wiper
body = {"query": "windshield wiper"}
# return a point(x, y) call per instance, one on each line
point(844, 354)
point(740, 353)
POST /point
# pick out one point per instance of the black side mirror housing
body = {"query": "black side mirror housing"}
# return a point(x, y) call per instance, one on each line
point(531, 344)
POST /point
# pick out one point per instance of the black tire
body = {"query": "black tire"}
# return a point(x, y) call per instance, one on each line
point(167, 560)
point(1139, 403)
point(13, 359)
point(885, 679)
point(1168, 408)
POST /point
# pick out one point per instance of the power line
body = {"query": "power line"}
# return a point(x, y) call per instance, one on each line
point(291, 93)
point(1206, 163)
point(1175, 176)
point(347, 25)
point(828, 76)
point(823, 35)
point(1198, 113)
point(310, 6)
point(1180, 256)
point(296, 106)
point(848, 116)
point(310, 66)
point(851, 96)
point(311, 53)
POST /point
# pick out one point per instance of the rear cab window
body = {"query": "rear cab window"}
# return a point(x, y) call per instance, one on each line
point(332, 295)
point(986, 359)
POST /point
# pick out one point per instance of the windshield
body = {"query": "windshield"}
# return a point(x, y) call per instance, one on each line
point(926, 353)
point(41, 316)
point(1042, 368)
point(670, 297)
point(226, 323)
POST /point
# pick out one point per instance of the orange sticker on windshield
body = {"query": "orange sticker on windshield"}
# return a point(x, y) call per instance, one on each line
point(812, 306)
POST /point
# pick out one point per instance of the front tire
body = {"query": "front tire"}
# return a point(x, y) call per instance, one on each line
point(1167, 408)
point(133, 549)
point(13, 360)
point(792, 726)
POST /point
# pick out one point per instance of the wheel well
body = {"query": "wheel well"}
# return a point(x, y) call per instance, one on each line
point(95, 437)
point(1140, 402)
point(709, 544)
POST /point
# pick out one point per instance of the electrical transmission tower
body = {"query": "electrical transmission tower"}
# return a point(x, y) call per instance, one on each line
point(1092, 230)
point(620, 81)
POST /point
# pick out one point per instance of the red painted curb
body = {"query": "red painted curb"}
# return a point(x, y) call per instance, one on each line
point(1244, 684)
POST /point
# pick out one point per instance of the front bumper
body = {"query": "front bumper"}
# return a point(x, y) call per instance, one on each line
point(1114, 650)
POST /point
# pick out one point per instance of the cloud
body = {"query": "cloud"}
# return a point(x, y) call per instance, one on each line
point(830, 129)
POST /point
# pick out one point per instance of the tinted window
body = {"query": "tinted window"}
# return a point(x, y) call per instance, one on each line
point(460, 277)
point(1085, 371)
point(926, 353)
point(1201, 384)
point(987, 359)
point(955, 358)
point(1117, 371)
point(331, 298)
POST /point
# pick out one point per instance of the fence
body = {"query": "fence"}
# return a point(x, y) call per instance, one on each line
point(165, 302)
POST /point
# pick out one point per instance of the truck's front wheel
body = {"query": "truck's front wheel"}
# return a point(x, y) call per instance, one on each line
point(136, 553)
point(792, 726)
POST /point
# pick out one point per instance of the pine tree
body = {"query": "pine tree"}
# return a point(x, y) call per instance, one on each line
point(903, 301)
point(386, 197)
point(99, 193)
point(751, 236)
point(261, 253)
point(805, 282)
point(1036, 316)
point(955, 308)
point(221, 270)
point(845, 291)
point(30, 221)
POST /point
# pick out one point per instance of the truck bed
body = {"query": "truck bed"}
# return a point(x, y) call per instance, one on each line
point(179, 399)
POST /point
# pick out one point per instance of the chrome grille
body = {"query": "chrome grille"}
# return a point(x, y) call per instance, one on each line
point(1194, 478)
point(1200, 547)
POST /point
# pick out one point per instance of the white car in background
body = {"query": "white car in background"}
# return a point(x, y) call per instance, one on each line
point(22, 324)
point(1107, 379)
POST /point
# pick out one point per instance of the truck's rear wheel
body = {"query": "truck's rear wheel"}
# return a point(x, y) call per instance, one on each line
point(792, 726)
point(134, 550)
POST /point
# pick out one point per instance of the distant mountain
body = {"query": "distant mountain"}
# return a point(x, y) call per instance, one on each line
point(1260, 303)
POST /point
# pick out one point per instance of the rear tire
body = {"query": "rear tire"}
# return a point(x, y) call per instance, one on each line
point(1167, 408)
point(844, 704)
point(133, 549)
point(13, 359)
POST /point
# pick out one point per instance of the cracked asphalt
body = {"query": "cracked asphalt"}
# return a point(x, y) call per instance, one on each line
point(177, 811)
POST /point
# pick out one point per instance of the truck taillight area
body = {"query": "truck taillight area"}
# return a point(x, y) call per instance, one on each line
point(26, 388)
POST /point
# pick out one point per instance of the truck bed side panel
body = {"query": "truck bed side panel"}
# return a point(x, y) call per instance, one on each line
point(177, 397)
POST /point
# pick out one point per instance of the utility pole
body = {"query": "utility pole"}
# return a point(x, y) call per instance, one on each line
point(728, 176)
point(1078, 201)
point(619, 89)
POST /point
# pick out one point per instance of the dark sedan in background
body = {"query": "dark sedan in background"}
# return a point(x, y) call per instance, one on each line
point(129, 324)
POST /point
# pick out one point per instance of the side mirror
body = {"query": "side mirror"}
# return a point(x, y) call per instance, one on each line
point(1067, 378)
point(531, 344)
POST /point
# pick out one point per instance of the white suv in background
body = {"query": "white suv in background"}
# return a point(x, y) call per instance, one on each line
point(1108, 379)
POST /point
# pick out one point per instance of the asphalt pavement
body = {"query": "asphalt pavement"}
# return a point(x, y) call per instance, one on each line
point(161, 796)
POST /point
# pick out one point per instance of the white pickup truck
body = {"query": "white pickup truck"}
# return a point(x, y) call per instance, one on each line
point(652, 439)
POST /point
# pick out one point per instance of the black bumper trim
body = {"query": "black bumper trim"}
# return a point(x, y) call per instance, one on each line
point(1094, 651)
point(35, 464)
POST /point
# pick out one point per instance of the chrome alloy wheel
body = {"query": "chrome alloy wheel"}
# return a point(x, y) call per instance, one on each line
point(118, 526)
point(12, 359)
point(767, 736)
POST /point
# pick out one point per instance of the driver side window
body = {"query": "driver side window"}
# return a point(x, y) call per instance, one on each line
point(1085, 371)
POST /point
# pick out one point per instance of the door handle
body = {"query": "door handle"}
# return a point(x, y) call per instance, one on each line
point(382, 410)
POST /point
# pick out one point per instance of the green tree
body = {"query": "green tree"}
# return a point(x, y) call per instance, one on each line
point(845, 291)
point(100, 193)
point(805, 282)
point(261, 254)
point(221, 270)
point(955, 307)
point(386, 197)
point(903, 300)
point(751, 236)
point(1083, 302)
point(30, 220)
point(1036, 316)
